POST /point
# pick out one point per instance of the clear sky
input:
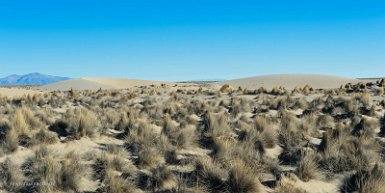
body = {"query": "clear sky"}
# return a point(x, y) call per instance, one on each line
point(192, 39)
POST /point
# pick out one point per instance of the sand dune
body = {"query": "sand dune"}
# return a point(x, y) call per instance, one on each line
point(97, 83)
point(290, 81)
point(15, 92)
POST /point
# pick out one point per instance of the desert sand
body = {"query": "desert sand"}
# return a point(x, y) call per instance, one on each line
point(99, 83)
point(290, 81)
point(15, 92)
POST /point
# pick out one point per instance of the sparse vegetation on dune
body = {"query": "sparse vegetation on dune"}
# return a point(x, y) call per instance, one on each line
point(166, 139)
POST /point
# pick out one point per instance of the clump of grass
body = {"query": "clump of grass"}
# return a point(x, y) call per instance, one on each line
point(71, 173)
point(45, 171)
point(290, 139)
point(380, 91)
point(10, 176)
point(307, 167)
point(45, 137)
point(9, 137)
point(19, 123)
point(382, 125)
point(211, 174)
point(365, 98)
point(100, 167)
point(343, 153)
point(160, 178)
point(83, 123)
point(118, 184)
point(149, 157)
point(365, 129)
point(226, 89)
point(364, 181)
point(241, 179)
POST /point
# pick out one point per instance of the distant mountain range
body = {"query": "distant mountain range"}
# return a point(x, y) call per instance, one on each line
point(30, 79)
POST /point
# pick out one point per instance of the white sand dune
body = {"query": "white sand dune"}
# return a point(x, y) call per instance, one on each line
point(97, 83)
point(290, 81)
point(16, 92)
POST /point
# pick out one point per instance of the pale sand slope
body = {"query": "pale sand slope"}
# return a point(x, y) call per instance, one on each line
point(290, 81)
point(97, 83)
point(16, 92)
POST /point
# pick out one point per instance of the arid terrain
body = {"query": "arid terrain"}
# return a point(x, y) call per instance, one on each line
point(269, 134)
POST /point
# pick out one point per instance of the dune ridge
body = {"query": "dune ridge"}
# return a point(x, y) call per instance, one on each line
point(290, 81)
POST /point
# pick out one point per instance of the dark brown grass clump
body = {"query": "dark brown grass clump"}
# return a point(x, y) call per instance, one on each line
point(365, 181)
point(8, 137)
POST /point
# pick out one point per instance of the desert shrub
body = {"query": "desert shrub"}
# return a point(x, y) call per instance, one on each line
point(364, 181)
point(226, 89)
point(365, 129)
point(11, 141)
point(4, 129)
point(262, 135)
point(308, 125)
point(269, 137)
point(290, 139)
point(188, 137)
point(149, 157)
point(30, 118)
point(300, 103)
point(8, 137)
point(19, 123)
point(71, 172)
point(325, 121)
point(241, 179)
point(124, 123)
point(45, 137)
point(117, 184)
point(117, 150)
point(307, 89)
point(10, 176)
point(83, 123)
point(160, 178)
point(307, 167)
point(260, 123)
point(214, 128)
point(100, 167)
point(380, 91)
point(170, 129)
point(211, 174)
point(382, 126)
point(120, 164)
point(45, 173)
point(346, 154)
point(364, 98)
point(239, 105)
point(144, 137)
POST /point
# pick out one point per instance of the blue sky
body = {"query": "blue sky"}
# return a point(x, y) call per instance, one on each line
point(192, 39)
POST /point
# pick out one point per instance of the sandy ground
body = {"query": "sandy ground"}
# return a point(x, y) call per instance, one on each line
point(15, 92)
point(97, 83)
point(290, 81)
